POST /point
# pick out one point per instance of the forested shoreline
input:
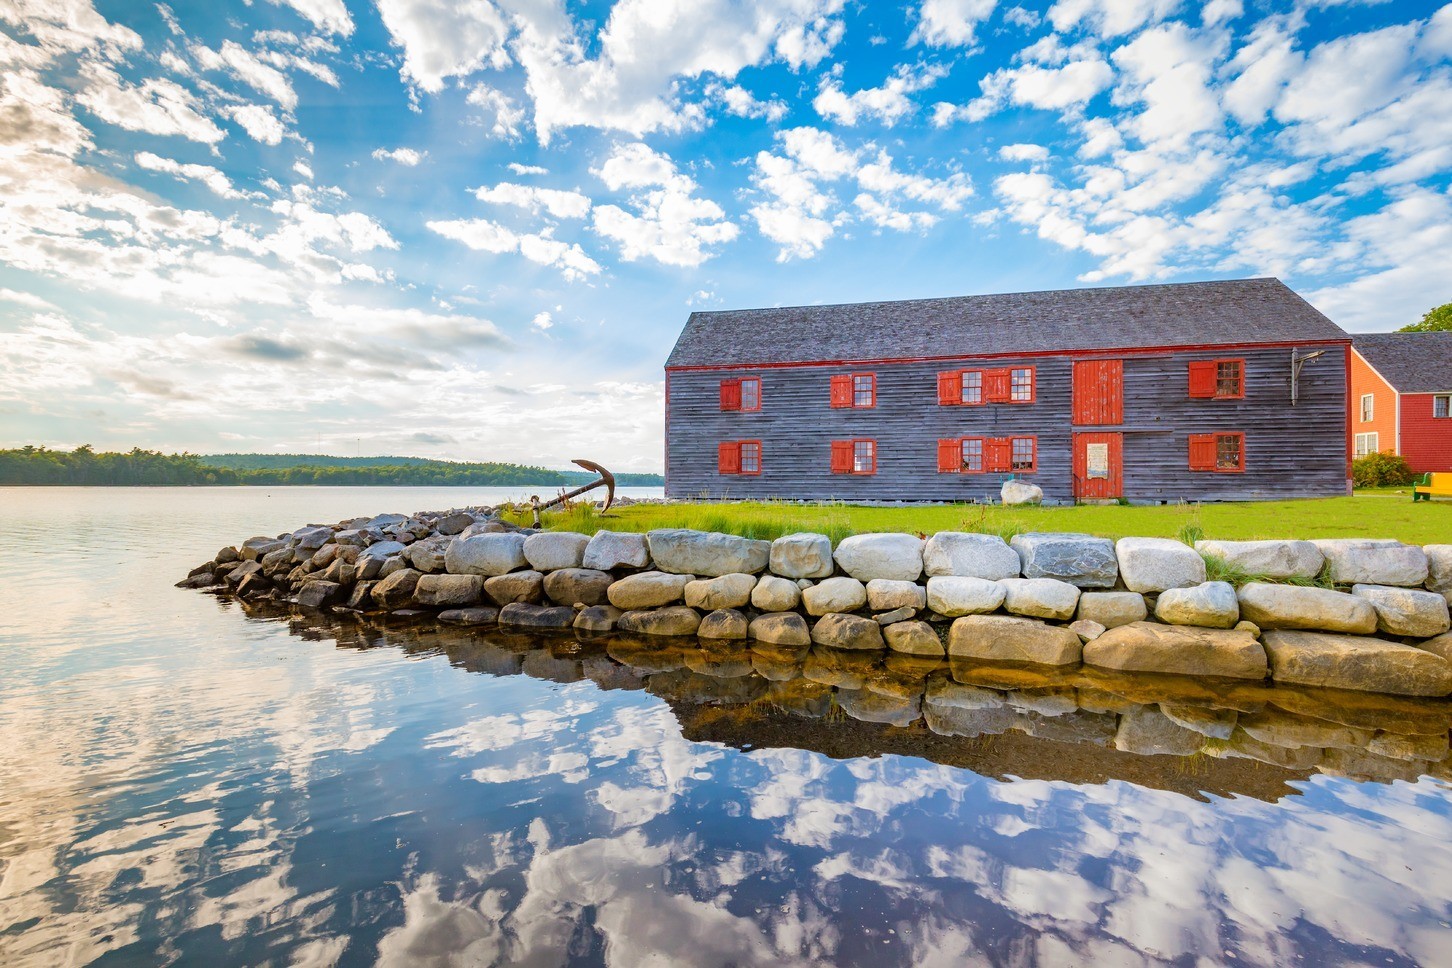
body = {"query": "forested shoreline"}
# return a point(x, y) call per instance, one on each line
point(85, 466)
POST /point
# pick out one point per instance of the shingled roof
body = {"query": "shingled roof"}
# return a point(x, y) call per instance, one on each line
point(1182, 314)
point(1410, 362)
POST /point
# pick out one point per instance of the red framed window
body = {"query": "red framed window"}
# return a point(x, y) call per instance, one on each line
point(1222, 452)
point(971, 394)
point(1023, 454)
point(960, 455)
point(1021, 385)
point(970, 388)
point(741, 393)
point(739, 457)
point(856, 391)
point(1217, 379)
point(854, 456)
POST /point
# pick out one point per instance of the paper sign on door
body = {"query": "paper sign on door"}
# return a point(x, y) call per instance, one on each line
point(1096, 460)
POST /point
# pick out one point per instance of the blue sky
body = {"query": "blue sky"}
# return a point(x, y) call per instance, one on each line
point(473, 229)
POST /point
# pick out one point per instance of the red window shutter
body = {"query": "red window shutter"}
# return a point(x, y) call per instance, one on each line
point(1202, 378)
point(995, 386)
point(730, 394)
point(950, 388)
point(997, 454)
point(950, 456)
point(728, 457)
point(841, 457)
point(1202, 451)
point(842, 390)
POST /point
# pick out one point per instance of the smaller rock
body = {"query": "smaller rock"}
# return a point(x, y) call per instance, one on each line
point(723, 623)
point(1158, 564)
point(368, 568)
point(1209, 605)
point(578, 586)
point(518, 586)
point(1365, 561)
point(682, 551)
point(1015, 492)
point(451, 524)
point(897, 557)
point(834, 595)
point(1010, 639)
point(485, 554)
point(952, 595)
point(361, 599)
point(616, 549)
point(319, 594)
point(597, 618)
point(396, 590)
point(780, 628)
point(801, 556)
point(1439, 569)
point(1086, 630)
point(392, 566)
point(1251, 627)
point(725, 591)
point(1271, 559)
point(1112, 609)
point(481, 615)
point(312, 538)
point(226, 555)
point(1294, 607)
point(913, 638)
point(382, 549)
point(648, 589)
point(523, 615)
point(1078, 559)
point(967, 555)
point(773, 594)
point(448, 591)
point(895, 616)
point(840, 631)
point(1040, 597)
point(553, 550)
point(671, 620)
point(884, 594)
point(1411, 612)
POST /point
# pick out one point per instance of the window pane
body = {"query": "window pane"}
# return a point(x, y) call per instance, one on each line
point(862, 452)
point(1023, 454)
point(973, 386)
point(750, 458)
point(1022, 385)
point(862, 391)
point(1227, 451)
point(1441, 406)
point(973, 454)
point(1227, 378)
point(750, 394)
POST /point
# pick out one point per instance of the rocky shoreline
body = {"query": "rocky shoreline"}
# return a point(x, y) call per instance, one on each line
point(1368, 615)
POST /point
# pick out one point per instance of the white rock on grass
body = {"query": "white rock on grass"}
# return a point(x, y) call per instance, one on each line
point(649, 589)
point(801, 555)
point(616, 549)
point(1211, 605)
point(885, 594)
point(1406, 611)
point(1293, 607)
point(726, 591)
point(485, 554)
point(773, 594)
point(1040, 597)
point(967, 555)
point(834, 595)
point(1112, 609)
point(1270, 559)
point(1157, 564)
point(954, 596)
point(1014, 493)
point(893, 556)
point(1439, 570)
point(686, 552)
point(553, 550)
point(1366, 561)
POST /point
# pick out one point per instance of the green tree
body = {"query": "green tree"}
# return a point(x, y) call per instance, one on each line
point(1437, 320)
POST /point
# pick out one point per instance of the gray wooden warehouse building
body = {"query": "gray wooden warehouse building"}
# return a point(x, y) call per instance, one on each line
point(1213, 391)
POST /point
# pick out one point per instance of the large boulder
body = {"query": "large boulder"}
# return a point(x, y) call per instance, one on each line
point(319, 594)
point(1356, 662)
point(1078, 559)
point(519, 586)
point(1015, 492)
point(913, 638)
point(1010, 639)
point(1439, 570)
point(685, 552)
point(453, 522)
point(382, 549)
point(847, 632)
point(577, 586)
point(1040, 597)
point(802, 556)
point(253, 549)
point(672, 620)
point(449, 591)
point(1295, 607)
point(396, 590)
point(597, 618)
point(1406, 611)
point(1150, 647)
point(773, 594)
point(525, 615)
point(616, 549)
point(898, 557)
point(312, 538)
point(485, 554)
point(780, 628)
point(1112, 609)
point(834, 595)
point(1268, 559)
point(727, 591)
point(1368, 561)
point(649, 589)
point(1212, 604)
point(952, 595)
point(885, 594)
point(967, 555)
point(1157, 564)
point(553, 550)
point(724, 623)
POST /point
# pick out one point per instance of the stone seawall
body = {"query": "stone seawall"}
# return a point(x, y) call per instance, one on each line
point(1360, 614)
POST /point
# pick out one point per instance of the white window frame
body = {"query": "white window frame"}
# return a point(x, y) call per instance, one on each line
point(1442, 396)
point(1368, 443)
point(1368, 407)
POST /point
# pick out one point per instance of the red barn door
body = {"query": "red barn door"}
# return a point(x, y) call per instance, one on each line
point(1098, 392)
point(1098, 466)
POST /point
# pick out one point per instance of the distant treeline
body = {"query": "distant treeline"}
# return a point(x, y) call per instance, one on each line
point(85, 466)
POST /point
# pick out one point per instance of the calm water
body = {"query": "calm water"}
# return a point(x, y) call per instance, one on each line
point(185, 781)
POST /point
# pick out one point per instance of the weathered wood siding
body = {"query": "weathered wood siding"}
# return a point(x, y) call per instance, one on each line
point(1289, 452)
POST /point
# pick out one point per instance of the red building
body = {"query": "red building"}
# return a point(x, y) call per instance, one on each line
point(1401, 397)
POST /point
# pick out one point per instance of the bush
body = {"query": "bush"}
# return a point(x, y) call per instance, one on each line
point(1381, 470)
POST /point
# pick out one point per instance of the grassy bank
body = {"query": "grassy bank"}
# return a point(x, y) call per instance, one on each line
point(1373, 514)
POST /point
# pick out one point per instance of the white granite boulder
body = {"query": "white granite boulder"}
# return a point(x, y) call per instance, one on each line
point(801, 556)
point(1270, 559)
point(1014, 493)
point(428, 555)
point(894, 556)
point(725, 591)
point(615, 549)
point(1367, 561)
point(968, 555)
point(682, 551)
point(1412, 612)
point(1157, 564)
point(954, 596)
point(773, 594)
point(485, 554)
point(885, 594)
point(1294, 607)
point(1211, 605)
point(1040, 598)
point(1079, 559)
point(834, 595)
point(648, 589)
point(553, 550)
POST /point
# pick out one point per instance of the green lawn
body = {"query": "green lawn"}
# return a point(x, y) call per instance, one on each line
point(1386, 513)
